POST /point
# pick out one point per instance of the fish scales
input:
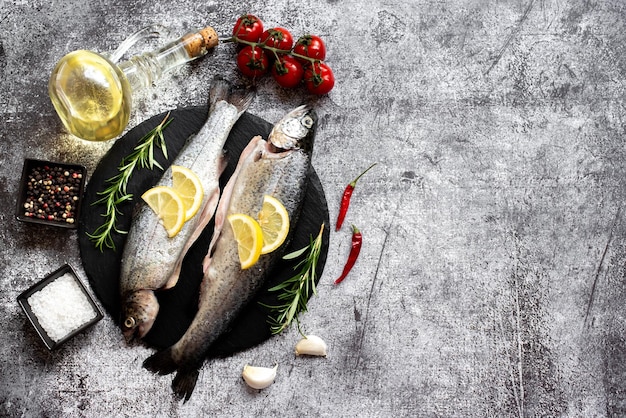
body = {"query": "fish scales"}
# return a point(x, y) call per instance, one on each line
point(152, 260)
point(226, 288)
point(148, 244)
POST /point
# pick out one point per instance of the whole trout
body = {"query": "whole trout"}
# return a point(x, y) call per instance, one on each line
point(151, 260)
point(278, 167)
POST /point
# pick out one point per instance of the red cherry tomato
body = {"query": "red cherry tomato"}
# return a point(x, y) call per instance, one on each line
point(287, 71)
point(311, 46)
point(279, 38)
point(248, 28)
point(252, 61)
point(319, 78)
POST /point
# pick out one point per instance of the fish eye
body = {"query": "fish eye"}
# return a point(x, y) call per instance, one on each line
point(129, 322)
point(307, 122)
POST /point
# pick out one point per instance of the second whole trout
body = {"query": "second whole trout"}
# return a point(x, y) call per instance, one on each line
point(151, 260)
point(279, 167)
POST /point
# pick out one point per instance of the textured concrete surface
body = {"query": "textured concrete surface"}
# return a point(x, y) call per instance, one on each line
point(491, 282)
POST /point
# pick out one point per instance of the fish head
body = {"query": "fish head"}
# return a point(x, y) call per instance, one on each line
point(139, 310)
point(296, 130)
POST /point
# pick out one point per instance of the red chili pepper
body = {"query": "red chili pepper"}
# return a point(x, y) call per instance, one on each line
point(345, 199)
point(357, 241)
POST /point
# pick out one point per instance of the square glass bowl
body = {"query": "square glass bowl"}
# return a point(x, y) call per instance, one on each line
point(59, 307)
point(50, 193)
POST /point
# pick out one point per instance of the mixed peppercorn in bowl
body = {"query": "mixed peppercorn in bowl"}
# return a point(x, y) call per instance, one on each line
point(50, 193)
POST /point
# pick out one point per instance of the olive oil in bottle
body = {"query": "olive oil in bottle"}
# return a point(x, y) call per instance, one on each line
point(93, 96)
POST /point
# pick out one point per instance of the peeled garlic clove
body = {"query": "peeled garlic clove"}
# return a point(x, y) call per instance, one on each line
point(311, 345)
point(259, 377)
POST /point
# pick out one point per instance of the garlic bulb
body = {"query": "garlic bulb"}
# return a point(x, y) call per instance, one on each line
point(259, 377)
point(311, 345)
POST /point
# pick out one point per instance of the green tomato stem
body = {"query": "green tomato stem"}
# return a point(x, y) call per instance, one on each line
point(275, 51)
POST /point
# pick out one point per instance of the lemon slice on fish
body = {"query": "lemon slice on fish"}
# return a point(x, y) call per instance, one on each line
point(188, 186)
point(249, 238)
point(168, 206)
point(274, 222)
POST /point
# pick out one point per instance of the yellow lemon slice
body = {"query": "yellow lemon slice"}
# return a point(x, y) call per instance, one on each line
point(168, 206)
point(249, 238)
point(188, 186)
point(274, 222)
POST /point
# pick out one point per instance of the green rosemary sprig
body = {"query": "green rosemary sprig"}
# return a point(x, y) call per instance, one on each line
point(295, 291)
point(115, 194)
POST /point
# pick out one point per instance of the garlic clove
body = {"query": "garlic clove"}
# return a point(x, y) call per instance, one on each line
point(259, 377)
point(311, 345)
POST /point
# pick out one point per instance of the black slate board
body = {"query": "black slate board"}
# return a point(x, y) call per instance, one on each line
point(179, 304)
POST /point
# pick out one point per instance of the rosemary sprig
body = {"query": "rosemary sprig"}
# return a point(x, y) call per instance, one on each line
point(295, 291)
point(115, 194)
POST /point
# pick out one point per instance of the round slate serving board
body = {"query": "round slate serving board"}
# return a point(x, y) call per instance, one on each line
point(179, 304)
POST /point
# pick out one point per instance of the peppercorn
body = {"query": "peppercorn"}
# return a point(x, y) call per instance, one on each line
point(52, 193)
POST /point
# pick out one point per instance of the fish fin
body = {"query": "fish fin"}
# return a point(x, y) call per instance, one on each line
point(161, 362)
point(185, 382)
point(205, 264)
point(173, 280)
point(241, 99)
point(221, 91)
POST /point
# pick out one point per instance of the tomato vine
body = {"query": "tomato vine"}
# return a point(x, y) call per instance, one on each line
point(273, 51)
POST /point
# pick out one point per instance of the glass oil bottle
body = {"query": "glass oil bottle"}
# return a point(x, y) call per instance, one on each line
point(93, 95)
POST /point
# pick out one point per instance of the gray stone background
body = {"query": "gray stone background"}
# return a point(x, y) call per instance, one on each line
point(491, 281)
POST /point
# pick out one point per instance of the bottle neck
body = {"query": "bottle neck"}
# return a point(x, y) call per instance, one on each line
point(145, 69)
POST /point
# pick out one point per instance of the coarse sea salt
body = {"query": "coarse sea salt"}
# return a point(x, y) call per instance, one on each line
point(61, 307)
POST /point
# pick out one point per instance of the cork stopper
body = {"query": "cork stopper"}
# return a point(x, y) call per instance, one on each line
point(199, 43)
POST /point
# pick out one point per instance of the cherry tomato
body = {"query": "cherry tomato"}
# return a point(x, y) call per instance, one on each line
point(252, 61)
point(248, 28)
point(287, 71)
point(319, 78)
point(311, 46)
point(279, 38)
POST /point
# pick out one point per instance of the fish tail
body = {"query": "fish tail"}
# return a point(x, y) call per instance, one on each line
point(161, 362)
point(221, 91)
point(241, 99)
point(184, 383)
